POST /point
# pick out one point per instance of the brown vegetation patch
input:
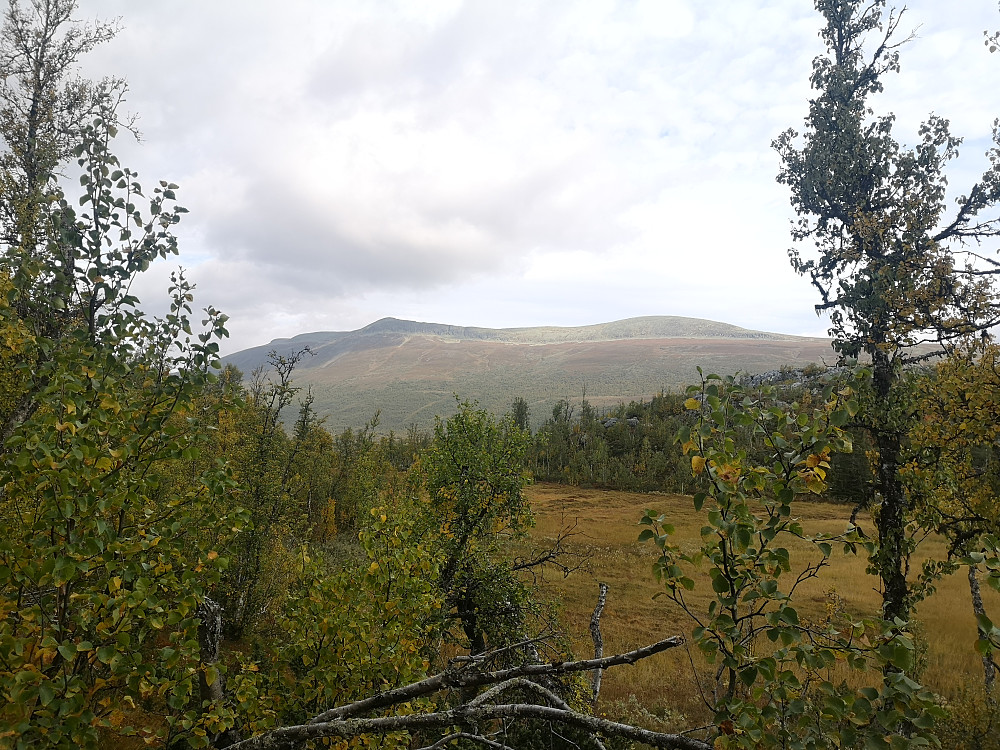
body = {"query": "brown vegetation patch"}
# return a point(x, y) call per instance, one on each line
point(607, 526)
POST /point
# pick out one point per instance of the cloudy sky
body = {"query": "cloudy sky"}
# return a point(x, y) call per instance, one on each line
point(499, 162)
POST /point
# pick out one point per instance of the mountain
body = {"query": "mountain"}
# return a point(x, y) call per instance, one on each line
point(411, 371)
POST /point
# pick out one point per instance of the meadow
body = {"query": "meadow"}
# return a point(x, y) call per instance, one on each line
point(606, 529)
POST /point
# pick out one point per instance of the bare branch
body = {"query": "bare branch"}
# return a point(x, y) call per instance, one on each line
point(520, 682)
point(449, 738)
point(464, 716)
point(468, 678)
point(344, 722)
point(566, 561)
point(524, 684)
point(595, 633)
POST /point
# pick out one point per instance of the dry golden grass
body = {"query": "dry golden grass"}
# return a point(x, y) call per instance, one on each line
point(607, 529)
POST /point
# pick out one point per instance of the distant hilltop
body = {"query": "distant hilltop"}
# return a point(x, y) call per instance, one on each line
point(410, 371)
point(647, 327)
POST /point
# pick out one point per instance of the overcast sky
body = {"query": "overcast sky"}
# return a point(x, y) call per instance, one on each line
point(499, 163)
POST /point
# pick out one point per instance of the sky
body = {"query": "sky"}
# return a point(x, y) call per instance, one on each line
point(499, 163)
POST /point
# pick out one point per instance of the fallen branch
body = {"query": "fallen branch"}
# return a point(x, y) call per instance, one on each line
point(525, 684)
point(449, 738)
point(345, 721)
point(465, 716)
point(468, 678)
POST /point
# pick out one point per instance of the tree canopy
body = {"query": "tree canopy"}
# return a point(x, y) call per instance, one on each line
point(893, 265)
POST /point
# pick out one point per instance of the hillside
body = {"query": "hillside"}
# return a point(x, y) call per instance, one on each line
point(411, 371)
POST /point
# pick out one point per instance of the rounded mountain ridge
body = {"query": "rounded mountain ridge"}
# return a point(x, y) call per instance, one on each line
point(650, 326)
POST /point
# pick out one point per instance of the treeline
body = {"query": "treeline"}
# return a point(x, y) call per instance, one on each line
point(634, 447)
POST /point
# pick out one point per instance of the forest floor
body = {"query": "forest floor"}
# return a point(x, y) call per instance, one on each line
point(606, 529)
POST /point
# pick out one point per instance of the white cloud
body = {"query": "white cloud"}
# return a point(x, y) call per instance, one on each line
point(507, 162)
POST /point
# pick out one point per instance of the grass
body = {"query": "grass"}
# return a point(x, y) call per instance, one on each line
point(607, 529)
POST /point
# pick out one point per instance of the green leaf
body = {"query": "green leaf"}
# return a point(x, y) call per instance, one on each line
point(923, 721)
point(902, 657)
point(46, 693)
point(789, 615)
point(984, 623)
point(699, 500)
point(212, 672)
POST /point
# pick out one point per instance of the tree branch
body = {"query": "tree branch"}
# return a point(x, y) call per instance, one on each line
point(520, 682)
point(467, 678)
point(449, 738)
point(343, 721)
point(464, 716)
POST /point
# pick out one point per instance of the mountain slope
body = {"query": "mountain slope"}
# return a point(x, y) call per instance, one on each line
point(411, 371)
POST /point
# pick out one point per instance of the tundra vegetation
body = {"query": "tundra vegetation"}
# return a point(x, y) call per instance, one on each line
point(179, 570)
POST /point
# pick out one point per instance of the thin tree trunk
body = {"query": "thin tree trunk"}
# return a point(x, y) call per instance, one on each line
point(595, 633)
point(989, 667)
point(209, 640)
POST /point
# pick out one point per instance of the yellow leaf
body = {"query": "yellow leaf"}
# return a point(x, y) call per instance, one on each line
point(692, 403)
point(815, 485)
point(373, 568)
point(697, 464)
point(729, 473)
